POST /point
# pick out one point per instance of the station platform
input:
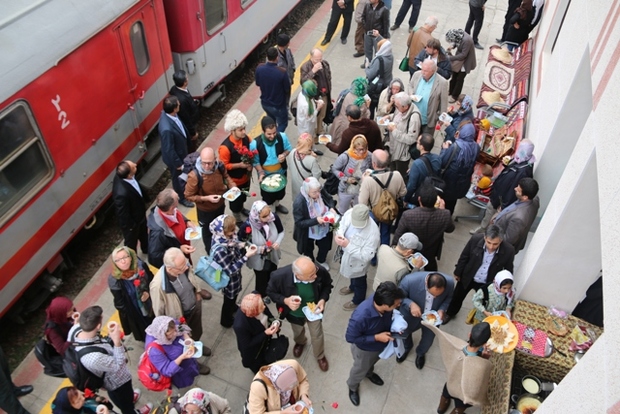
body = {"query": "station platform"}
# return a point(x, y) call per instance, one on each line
point(406, 388)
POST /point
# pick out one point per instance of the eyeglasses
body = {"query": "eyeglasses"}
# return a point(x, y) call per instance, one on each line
point(207, 162)
point(121, 259)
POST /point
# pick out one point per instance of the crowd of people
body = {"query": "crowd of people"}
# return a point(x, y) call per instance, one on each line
point(396, 184)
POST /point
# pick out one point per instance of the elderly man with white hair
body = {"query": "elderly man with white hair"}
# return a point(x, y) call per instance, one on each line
point(417, 40)
point(392, 264)
point(429, 93)
point(404, 128)
point(239, 169)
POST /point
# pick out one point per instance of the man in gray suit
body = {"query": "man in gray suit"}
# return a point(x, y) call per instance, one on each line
point(425, 291)
point(433, 90)
point(516, 219)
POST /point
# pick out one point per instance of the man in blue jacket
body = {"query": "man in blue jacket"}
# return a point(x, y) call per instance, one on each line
point(368, 333)
point(275, 89)
point(419, 170)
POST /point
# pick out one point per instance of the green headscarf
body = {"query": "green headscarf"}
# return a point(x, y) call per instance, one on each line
point(310, 90)
point(359, 88)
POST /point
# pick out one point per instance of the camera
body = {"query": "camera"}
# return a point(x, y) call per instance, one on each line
point(369, 33)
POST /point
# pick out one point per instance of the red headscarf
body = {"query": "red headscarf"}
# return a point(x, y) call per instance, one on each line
point(58, 309)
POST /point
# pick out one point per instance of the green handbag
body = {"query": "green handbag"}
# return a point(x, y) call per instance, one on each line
point(404, 64)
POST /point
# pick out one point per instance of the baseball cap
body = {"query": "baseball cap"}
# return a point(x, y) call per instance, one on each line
point(410, 241)
point(359, 216)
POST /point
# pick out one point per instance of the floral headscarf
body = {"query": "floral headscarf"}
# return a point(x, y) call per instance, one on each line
point(455, 36)
point(283, 377)
point(117, 273)
point(310, 90)
point(196, 396)
point(217, 229)
point(58, 309)
point(158, 328)
point(255, 220)
point(359, 88)
point(309, 184)
point(525, 152)
point(466, 105)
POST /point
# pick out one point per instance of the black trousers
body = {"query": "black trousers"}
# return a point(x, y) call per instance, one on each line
point(476, 17)
point(8, 400)
point(456, 84)
point(347, 15)
point(415, 5)
point(324, 245)
point(176, 185)
point(194, 320)
point(262, 277)
point(457, 403)
point(460, 293)
point(237, 205)
point(204, 219)
point(229, 307)
point(122, 397)
point(139, 232)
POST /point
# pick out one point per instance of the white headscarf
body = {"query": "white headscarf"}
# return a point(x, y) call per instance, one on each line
point(497, 282)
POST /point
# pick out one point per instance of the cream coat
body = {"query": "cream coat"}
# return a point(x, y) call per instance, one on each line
point(361, 248)
point(259, 396)
point(168, 304)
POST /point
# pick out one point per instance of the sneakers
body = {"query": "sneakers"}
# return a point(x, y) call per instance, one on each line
point(136, 394)
point(478, 229)
point(146, 409)
point(345, 291)
point(349, 306)
point(324, 265)
point(394, 26)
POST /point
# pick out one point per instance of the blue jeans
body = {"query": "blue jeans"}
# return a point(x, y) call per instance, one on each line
point(384, 230)
point(358, 286)
point(280, 115)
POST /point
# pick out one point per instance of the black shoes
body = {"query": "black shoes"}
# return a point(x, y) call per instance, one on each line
point(358, 54)
point(478, 46)
point(27, 389)
point(446, 318)
point(394, 26)
point(317, 152)
point(186, 203)
point(375, 379)
point(324, 42)
point(245, 212)
point(419, 361)
point(354, 396)
point(343, 41)
point(281, 209)
point(400, 359)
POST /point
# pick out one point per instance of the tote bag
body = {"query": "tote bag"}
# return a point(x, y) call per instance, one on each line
point(211, 272)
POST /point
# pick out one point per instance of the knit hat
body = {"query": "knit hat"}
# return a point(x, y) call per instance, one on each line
point(410, 241)
point(359, 216)
point(283, 39)
point(481, 333)
point(234, 120)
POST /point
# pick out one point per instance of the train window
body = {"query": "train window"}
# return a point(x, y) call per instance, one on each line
point(25, 164)
point(139, 47)
point(216, 14)
point(246, 3)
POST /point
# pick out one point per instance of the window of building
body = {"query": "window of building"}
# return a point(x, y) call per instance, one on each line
point(246, 3)
point(139, 47)
point(216, 13)
point(25, 163)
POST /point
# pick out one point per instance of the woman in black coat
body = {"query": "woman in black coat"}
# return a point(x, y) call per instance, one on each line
point(311, 228)
point(129, 284)
point(520, 24)
point(254, 326)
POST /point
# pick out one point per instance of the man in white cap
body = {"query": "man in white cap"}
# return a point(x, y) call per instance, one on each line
point(359, 239)
point(392, 262)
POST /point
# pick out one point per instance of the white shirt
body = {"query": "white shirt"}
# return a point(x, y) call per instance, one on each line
point(428, 301)
point(483, 270)
point(134, 184)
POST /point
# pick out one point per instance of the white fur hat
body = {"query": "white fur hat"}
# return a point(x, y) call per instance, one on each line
point(235, 119)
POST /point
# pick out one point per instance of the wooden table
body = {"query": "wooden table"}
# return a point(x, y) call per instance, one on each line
point(555, 367)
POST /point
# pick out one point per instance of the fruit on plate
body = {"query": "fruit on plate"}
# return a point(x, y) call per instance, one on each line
point(501, 337)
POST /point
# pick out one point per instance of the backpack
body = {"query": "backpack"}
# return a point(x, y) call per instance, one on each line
point(332, 181)
point(339, 102)
point(189, 165)
point(432, 179)
point(386, 208)
point(48, 356)
point(149, 375)
point(80, 377)
point(247, 400)
point(167, 405)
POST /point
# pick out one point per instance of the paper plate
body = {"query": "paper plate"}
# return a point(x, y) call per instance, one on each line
point(415, 256)
point(273, 188)
point(231, 195)
point(511, 328)
point(311, 316)
point(437, 318)
point(198, 346)
point(189, 233)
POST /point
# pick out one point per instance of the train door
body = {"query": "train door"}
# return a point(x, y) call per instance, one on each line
point(140, 41)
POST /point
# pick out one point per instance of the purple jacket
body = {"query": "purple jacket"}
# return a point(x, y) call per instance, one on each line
point(183, 375)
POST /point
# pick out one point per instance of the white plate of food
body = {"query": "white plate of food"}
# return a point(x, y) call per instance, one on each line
point(273, 183)
point(325, 139)
point(193, 233)
point(232, 194)
point(196, 344)
point(310, 312)
point(431, 317)
point(382, 122)
point(415, 258)
point(416, 98)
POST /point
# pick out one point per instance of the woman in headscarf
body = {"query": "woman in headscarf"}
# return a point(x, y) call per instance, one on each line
point(166, 352)
point(503, 189)
point(58, 321)
point(500, 296)
point(520, 24)
point(386, 99)
point(253, 327)
point(302, 163)
point(349, 167)
point(231, 255)
point(199, 401)
point(463, 61)
point(70, 400)
point(458, 161)
point(311, 228)
point(277, 385)
point(356, 96)
point(267, 232)
point(462, 109)
point(308, 107)
point(377, 78)
point(129, 284)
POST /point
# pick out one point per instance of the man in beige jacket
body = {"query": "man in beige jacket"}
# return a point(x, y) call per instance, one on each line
point(392, 263)
point(175, 292)
point(431, 94)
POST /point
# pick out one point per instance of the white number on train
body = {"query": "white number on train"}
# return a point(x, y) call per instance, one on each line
point(62, 115)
